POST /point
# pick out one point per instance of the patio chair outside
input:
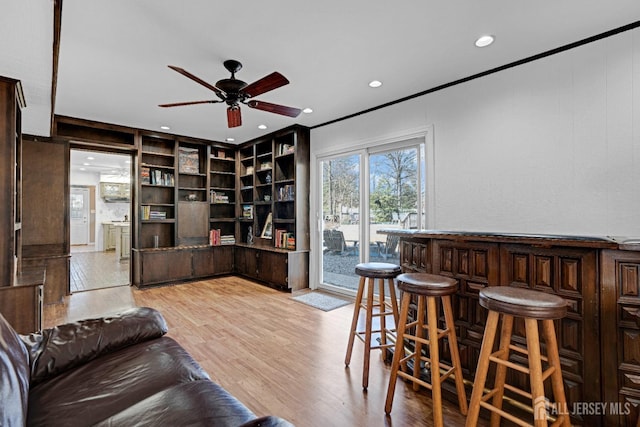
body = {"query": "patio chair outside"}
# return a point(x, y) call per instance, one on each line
point(388, 249)
point(334, 242)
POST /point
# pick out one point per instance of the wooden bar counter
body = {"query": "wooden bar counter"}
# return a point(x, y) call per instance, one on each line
point(599, 339)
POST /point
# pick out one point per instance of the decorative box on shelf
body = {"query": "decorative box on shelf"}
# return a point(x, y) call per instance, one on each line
point(188, 160)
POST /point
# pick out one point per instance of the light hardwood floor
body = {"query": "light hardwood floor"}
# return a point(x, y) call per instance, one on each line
point(92, 270)
point(276, 355)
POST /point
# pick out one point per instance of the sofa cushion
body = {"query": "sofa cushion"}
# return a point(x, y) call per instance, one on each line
point(198, 403)
point(14, 377)
point(109, 384)
point(66, 346)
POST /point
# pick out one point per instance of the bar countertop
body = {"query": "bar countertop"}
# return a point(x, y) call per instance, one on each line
point(543, 240)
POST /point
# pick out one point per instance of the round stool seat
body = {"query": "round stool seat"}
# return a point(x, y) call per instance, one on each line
point(378, 270)
point(523, 302)
point(427, 284)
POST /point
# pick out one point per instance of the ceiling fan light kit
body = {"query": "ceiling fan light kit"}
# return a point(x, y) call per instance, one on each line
point(234, 92)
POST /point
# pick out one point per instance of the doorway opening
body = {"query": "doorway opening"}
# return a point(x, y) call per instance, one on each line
point(99, 215)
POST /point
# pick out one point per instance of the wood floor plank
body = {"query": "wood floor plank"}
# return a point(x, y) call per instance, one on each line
point(276, 355)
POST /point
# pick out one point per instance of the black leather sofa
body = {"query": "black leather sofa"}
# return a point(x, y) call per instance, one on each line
point(111, 371)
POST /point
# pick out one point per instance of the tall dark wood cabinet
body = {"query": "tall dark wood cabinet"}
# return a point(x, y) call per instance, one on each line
point(11, 104)
point(20, 297)
point(44, 203)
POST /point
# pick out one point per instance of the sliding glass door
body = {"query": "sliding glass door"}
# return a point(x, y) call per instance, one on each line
point(340, 220)
point(362, 192)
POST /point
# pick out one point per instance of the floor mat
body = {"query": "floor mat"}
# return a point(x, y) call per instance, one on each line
point(321, 300)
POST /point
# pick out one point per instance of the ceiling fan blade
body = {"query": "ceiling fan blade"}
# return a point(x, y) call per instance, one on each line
point(197, 79)
point(234, 118)
point(178, 104)
point(265, 84)
point(275, 108)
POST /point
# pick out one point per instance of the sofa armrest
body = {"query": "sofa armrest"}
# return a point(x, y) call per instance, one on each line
point(63, 347)
point(268, 421)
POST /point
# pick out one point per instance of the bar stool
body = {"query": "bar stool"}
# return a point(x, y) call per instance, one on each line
point(509, 302)
point(427, 288)
point(368, 273)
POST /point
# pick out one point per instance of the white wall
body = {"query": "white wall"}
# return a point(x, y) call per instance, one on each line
point(552, 146)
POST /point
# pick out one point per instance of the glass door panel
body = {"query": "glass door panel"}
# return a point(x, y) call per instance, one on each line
point(394, 195)
point(340, 221)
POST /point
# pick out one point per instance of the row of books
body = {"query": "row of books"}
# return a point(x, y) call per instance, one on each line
point(147, 213)
point(286, 193)
point(217, 239)
point(284, 239)
point(218, 197)
point(156, 177)
point(247, 211)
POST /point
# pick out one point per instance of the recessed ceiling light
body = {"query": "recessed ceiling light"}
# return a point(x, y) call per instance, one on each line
point(484, 41)
point(86, 164)
point(230, 139)
point(165, 127)
point(127, 161)
point(82, 169)
point(262, 126)
point(375, 83)
point(91, 158)
point(307, 110)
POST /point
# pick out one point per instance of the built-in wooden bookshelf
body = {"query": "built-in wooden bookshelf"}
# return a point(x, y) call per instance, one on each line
point(20, 300)
point(222, 195)
point(245, 186)
point(208, 206)
point(273, 184)
point(193, 195)
point(157, 192)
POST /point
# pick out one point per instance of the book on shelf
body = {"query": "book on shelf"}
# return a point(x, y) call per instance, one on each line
point(188, 160)
point(247, 211)
point(218, 197)
point(157, 215)
point(145, 211)
point(145, 175)
point(160, 177)
point(217, 239)
point(286, 193)
point(227, 239)
point(284, 239)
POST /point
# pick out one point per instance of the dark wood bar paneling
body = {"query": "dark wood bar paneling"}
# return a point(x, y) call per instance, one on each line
point(599, 339)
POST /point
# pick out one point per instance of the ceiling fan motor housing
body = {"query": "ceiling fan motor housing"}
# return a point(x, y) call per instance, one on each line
point(231, 88)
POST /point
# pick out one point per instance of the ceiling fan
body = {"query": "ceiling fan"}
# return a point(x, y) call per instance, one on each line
point(235, 92)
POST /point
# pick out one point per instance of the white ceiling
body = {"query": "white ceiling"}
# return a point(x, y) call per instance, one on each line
point(114, 53)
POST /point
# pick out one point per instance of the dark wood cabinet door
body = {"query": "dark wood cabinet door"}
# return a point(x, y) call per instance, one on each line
point(213, 260)
point(246, 261)
point(620, 308)
point(165, 266)
point(572, 274)
point(273, 268)
point(475, 265)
